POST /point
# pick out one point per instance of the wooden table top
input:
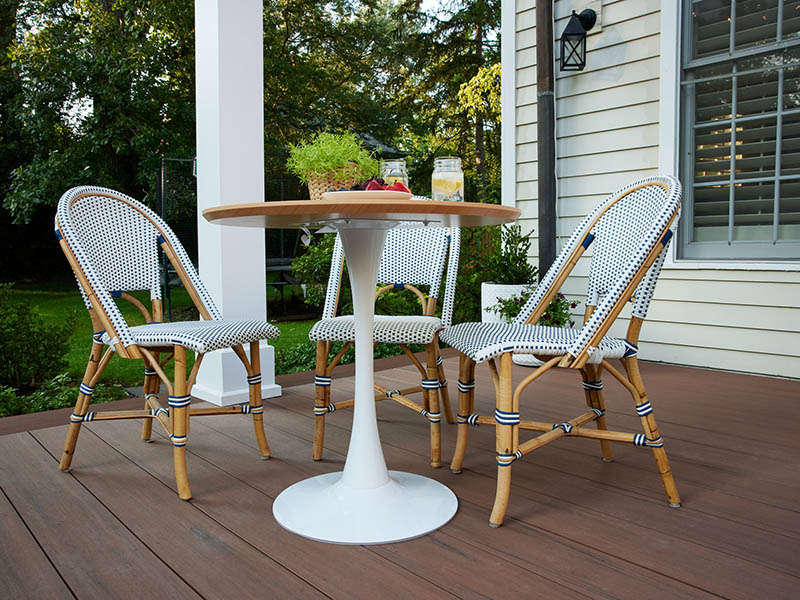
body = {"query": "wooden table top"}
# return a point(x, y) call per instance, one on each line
point(299, 213)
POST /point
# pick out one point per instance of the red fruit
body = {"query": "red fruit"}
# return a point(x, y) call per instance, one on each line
point(398, 186)
point(373, 185)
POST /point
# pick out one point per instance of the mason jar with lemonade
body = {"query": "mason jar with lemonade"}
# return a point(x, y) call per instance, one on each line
point(394, 170)
point(447, 180)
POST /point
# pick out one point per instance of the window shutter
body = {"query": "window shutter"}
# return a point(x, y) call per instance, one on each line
point(742, 112)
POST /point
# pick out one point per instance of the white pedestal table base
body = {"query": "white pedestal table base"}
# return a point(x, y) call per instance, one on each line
point(364, 503)
point(324, 509)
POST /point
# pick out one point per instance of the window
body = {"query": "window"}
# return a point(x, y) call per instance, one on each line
point(740, 122)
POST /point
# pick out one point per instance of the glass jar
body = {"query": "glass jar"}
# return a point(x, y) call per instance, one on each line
point(393, 170)
point(447, 180)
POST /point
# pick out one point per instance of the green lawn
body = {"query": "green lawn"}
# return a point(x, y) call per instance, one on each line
point(57, 303)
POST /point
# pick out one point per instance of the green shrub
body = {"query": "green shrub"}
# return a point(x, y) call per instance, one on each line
point(31, 351)
point(507, 261)
point(58, 392)
point(298, 357)
point(10, 403)
point(303, 356)
point(313, 267)
point(490, 254)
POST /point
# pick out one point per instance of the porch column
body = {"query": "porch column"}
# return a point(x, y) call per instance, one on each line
point(230, 168)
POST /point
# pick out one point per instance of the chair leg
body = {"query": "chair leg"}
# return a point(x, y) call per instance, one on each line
point(322, 396)
point(593, 389)
point(81, 406)
point(506, 447)
point(434, 415)
point(466, 396)
point(151, 385)
point(652, 437)
point(444, 395)
point(256, 402)
point(179, 416)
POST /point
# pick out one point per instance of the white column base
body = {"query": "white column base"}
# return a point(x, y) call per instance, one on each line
point(222, 379)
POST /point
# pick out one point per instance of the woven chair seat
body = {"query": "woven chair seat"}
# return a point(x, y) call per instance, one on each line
point(387, 329)
point(200, 336)
point(482, 341)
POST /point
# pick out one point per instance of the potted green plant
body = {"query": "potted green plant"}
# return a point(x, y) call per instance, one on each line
point(510, 271)
point(557, 314)
point(331, 161)
point(513, 282)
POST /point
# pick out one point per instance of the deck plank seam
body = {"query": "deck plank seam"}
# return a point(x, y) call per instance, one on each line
point(38, 543)
point(112, 513)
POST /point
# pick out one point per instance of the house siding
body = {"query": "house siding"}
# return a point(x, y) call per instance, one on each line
point(607, 135)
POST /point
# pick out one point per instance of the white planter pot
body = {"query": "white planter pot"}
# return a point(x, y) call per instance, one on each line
point(490, 294)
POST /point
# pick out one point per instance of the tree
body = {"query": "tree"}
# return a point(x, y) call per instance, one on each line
point(13, 145)
point(438, 54)
point(107, 88)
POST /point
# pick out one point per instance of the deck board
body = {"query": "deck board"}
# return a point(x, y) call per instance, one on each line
point(576, 527)
point(25, 570)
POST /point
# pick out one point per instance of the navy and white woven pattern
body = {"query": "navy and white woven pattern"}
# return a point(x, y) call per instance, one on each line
point(200, 336)
point(415, 256)
point(115, 240)
point(482, 341)
point(412, 255)
point(387, 329)
point(452, 276)
point(622, 231)
point(334, 279)
point(647, 191)
point(661, 205)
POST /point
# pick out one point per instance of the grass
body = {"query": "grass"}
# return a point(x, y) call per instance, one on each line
point(59, 302)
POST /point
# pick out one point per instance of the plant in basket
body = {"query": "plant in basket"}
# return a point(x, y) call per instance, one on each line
point(330, 161)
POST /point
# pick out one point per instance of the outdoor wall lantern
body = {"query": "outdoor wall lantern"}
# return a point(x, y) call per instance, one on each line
point(573, 40)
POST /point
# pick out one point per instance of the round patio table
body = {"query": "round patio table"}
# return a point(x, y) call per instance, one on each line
point(365, 503)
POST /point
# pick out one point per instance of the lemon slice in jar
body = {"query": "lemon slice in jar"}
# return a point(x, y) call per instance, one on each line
point(444, 185)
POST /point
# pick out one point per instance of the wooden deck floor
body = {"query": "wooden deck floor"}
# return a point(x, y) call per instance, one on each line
point(576, 527)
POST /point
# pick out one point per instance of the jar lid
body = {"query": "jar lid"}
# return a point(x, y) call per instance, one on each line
point(447, 161)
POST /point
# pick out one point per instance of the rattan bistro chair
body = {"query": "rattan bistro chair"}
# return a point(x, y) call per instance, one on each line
point(411, 257)
point(112, 244)
point(629, 234)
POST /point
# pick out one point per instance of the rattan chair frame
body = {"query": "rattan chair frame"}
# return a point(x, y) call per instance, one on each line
point(506, 420)
point(433, 398)
point(175, 418)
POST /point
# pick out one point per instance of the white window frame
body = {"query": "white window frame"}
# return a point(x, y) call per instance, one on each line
point(669, 142)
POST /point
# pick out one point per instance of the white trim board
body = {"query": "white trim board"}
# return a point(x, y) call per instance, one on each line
point(508, 102)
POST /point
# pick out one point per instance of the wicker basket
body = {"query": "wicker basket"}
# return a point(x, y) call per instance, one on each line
point(319, 184)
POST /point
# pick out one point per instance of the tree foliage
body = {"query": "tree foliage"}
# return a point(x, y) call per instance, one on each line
point(107, 88)
point(100, 90)
point(480, 96)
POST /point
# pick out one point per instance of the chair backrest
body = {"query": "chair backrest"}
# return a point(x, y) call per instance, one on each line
point(112, 243)
point(629, 233)
point(412, 255)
